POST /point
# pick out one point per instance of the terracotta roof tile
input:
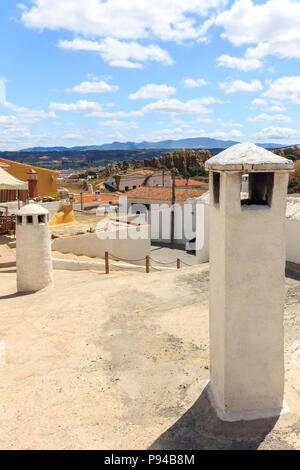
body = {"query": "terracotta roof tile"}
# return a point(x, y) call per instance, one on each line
point(182, 182)
point(108, 197)
point(165, 194)
point(92, 197)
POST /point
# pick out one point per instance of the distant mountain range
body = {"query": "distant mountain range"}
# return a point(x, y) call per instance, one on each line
point(193, 143)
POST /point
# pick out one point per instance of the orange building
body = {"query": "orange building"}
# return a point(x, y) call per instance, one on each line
point(46, 179)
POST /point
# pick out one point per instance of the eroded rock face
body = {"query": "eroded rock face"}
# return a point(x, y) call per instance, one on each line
point(288, 152)
point(179, 159)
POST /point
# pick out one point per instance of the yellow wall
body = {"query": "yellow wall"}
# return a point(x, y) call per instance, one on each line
point(47, 184)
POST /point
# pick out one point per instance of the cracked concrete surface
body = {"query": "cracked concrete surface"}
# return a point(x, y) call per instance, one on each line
point(121, 362)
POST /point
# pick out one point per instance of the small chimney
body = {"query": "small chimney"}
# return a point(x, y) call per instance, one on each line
point(247, 284)
point(33, 251)
point(32, 179)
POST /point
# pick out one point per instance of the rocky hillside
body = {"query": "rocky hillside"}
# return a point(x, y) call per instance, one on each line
point(293, 153)
point(180, 159)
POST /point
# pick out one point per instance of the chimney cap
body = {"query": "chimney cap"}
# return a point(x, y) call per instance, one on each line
point(248, 157)
point(31, 172)
point(32, 209)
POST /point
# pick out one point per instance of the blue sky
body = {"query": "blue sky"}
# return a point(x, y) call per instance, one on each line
point(76, 72)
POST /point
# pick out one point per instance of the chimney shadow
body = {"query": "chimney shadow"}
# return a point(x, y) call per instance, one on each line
point(201, 429)
point(16, 294)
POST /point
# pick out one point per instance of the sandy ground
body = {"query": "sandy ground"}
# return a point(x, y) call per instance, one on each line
point(121, 362)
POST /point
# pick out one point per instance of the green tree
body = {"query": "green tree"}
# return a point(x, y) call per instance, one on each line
point(197, 171)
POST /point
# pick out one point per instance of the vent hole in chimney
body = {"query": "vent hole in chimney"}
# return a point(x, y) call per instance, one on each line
point(260, 190)
point(216, 188)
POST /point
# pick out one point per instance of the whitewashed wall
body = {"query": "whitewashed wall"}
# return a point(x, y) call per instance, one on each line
point(202, 231)
point(131, 182)
point(124, 246)
point(293, 241)
point(158, 179)
point(111, 182)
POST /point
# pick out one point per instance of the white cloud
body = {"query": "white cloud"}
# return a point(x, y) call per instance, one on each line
point(81, 106)
point(71, 136)
point(206, 100)
point(8, 121)
point(192, 83)
point(277, 133)
point(259, 102)
point(273, 26)
point(222, 135)
point(175, 106)
point(120, 53)
point(170, 133)
point(89, 136)
point(285, 88)
point(30, 114)
point(15, 132)
point(136, 19)
point(240, 85)
point(94, 87)
point(182, 133)
point(270, 117)
point(172, 106)
point(115, 114)
point(152, 90)
point(235, 133)
point(276, 108)
point(238, 63)
point(207, 120)
point(12, 138)
point(19, 137)
point(14, 128)
point(175, 119)
point(231, 124)
point(117, 124)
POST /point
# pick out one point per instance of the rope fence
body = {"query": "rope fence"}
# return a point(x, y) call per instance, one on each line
point(147, 259)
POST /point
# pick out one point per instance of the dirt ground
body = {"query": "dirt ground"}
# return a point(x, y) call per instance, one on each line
point(122, 362)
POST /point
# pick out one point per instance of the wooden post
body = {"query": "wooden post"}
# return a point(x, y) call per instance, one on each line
point(147, 264)
point(172, 210)
point(178, 263)
point(106, 263)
